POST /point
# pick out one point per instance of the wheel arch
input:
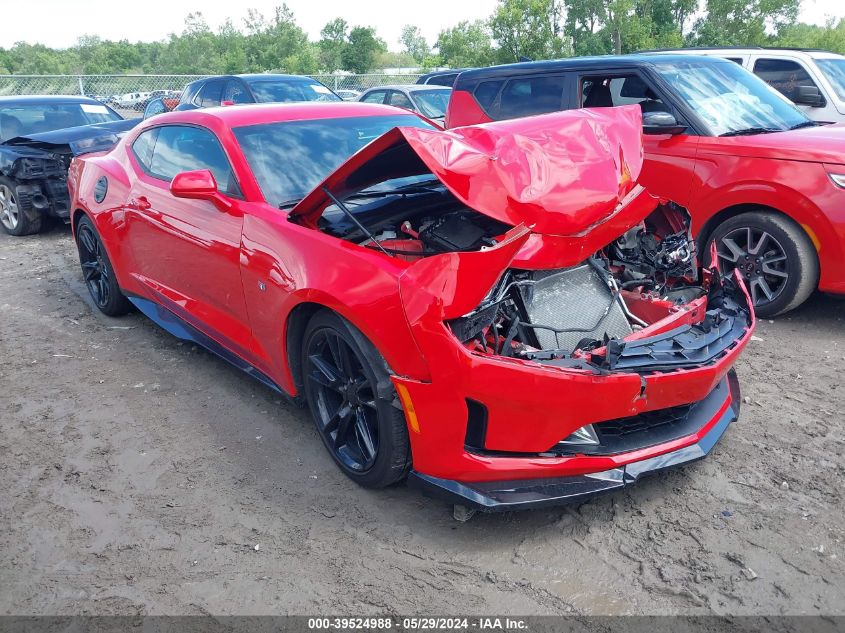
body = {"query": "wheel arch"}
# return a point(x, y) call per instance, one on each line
point(295, 326)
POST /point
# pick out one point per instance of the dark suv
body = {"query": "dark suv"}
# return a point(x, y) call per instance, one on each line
point(765, 184)
point(262, 88)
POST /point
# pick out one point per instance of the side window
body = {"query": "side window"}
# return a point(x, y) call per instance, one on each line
point(486, 91)
point(783, 75)
point(210, 94)
point(531, 95)
point(376, 96)
point(399, 100)
point(181, 148)
point(236, 92)
point(607, 92)
point(735, 60)
point(143, 146)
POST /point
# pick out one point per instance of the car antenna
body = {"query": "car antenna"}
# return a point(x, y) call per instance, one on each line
point(352, 217)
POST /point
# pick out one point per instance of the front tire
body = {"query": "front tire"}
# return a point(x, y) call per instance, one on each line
point(14, 219)
point(774, 256)
point(351, 398)
point(98, 272)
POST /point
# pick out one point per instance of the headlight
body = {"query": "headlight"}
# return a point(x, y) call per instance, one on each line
point(838, 180)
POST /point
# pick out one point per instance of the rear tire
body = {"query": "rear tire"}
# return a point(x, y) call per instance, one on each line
point(774, 256)
point(351, 398)
point(14, 219)
point(97, 271)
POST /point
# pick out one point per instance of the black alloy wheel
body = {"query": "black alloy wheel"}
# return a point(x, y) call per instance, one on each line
point(365, 433)
point(97, 271)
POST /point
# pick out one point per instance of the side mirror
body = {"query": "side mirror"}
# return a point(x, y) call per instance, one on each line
point(810, 96)
point(661, 123)
point(199, 185)
point(154, 107)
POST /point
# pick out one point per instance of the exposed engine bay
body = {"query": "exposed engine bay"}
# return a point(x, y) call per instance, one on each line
point(591, 315)
point(412, 223)
point(598, 315)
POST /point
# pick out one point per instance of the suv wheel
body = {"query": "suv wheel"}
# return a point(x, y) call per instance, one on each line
point(774, 256)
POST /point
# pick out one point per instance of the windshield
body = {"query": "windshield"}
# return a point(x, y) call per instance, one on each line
point(432, 103)
point(729, 99)
point(26, 119)
point(290, 158)
point(834, 70)
point(288, 90)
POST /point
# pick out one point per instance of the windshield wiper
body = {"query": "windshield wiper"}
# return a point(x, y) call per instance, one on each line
point(798, 126)
point(289, 204)
point(400, 191)
point(752, 130)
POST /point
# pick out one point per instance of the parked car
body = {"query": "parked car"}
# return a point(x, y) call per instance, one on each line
point(263, 88)
point(503, 314)
point(38, 137)
point(430, 101)
point(441, 77)
point(764, 183)
point(813, 80)
point(129, 100)
point(348, 95)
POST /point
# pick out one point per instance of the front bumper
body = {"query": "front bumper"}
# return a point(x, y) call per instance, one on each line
point(524, 494)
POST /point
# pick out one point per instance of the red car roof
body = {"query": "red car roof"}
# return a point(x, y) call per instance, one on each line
point(251, 114)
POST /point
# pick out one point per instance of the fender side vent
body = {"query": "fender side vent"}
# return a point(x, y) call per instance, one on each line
point(476, 425)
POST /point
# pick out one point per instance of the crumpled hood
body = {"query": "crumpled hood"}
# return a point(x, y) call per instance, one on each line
point(77, 140)
point(820, 144)
point(557, 173)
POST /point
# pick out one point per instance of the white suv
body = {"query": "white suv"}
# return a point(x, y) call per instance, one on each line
point(813, 80)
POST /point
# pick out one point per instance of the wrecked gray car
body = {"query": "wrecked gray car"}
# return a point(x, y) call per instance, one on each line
point(39, 136)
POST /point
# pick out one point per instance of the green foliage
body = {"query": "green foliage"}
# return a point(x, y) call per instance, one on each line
point(362, 47)
point(413, 43)
point(537, 29)
point(526, 28)
point(742, 22)
point(830, 37)
point(464, 45)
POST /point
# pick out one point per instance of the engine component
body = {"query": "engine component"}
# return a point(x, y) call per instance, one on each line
point(571, 305)
point(453, 232)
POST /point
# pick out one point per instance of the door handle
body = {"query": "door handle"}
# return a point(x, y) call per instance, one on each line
point(141, 203)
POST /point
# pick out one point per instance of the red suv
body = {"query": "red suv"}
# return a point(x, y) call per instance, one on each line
point(764, 183)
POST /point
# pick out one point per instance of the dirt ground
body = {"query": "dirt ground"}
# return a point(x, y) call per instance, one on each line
point(142, 475)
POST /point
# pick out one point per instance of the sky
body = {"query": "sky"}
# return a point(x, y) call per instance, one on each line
point(57, 23)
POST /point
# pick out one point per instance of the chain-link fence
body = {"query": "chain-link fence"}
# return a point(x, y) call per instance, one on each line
point(124, 92)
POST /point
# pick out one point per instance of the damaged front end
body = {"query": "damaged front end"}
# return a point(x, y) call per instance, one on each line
point(639, 304)
point(39, 163)
point(573, 340)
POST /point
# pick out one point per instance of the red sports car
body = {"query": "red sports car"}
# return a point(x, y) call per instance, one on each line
point(499, 312)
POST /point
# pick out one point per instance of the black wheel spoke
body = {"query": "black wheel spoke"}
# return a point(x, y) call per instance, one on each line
point(88, 241)
point(344, 420)
point(324, 373)
point(364, 436)
point(343, 400)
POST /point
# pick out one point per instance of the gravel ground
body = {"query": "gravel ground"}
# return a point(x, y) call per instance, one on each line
point(142, 475)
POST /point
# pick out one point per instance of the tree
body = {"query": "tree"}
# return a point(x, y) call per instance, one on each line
point(413, 43)
point(742, 22)
point(361, 49)
point(466, 44)
point(526, 28)
point(830, 37)
point(331, 44)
